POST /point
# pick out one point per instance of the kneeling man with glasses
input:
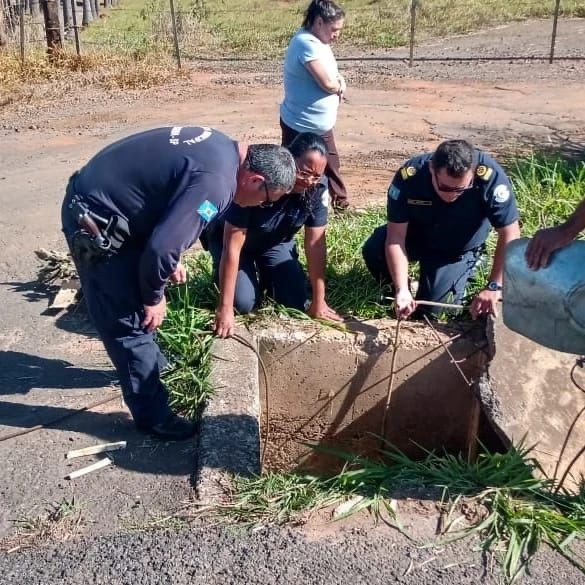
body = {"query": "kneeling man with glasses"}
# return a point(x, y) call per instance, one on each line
point(441, 208)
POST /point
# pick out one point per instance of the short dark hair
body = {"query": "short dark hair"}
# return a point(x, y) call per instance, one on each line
point(307, 142)
point(455, 156)
point(328, 10)
point(275, 163)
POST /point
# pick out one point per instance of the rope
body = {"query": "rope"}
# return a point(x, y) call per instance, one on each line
point(578, 362)
point(58, 419)
point(247, 344)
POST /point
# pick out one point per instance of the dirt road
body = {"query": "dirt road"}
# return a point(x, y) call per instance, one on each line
point(52, 364)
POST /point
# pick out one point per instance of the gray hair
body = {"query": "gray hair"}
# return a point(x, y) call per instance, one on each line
point(275, 163)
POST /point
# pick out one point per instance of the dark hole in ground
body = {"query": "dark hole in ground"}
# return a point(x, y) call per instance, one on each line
point(332, 391)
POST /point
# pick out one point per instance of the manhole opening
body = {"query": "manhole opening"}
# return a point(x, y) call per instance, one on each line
point(332, 390)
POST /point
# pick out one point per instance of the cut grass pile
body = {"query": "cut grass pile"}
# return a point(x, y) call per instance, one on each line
point(497, 497)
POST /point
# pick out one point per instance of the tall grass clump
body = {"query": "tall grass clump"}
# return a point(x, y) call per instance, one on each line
point(186, 338)
point(548, 189)
point(515, 509)
point(351, 290)
point(40, 77)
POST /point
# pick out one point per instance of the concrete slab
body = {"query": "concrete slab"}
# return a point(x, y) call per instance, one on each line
point(229, 436)
point(528, 393)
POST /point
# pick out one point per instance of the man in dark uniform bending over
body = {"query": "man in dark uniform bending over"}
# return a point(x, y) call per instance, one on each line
point(129, 214)
point(441, 207)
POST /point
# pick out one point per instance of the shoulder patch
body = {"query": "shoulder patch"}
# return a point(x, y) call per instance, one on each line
point(393, 192)
point(207, 210)
point(407, 172)
point(484, 173)
point(501, 193)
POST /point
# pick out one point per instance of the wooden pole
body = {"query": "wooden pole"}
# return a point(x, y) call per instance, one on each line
point(175, 35)
point(554, 31)
point(75, 28)
point(52, 27)
point(413, 8)
point(21, 25)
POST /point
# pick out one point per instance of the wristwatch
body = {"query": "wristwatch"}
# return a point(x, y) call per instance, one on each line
point(493, 286)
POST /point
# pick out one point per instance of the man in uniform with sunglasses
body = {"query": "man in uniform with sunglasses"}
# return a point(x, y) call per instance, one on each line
point(441, 207)
point(129, 214)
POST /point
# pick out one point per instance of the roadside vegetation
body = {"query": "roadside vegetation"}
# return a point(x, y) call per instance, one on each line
point(261, 29)
point(548, 190)
point(501, 498)
point(131, 46)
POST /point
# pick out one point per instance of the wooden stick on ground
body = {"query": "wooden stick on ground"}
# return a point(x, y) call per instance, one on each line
point(93, 467)
point(96, 449)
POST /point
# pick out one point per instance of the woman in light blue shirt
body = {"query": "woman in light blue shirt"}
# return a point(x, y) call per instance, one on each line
point(313, 87)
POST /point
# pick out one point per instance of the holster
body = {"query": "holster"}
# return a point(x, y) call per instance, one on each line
point(98, 238)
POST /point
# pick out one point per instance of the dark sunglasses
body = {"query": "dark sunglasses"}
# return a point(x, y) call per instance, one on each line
point(447, 189)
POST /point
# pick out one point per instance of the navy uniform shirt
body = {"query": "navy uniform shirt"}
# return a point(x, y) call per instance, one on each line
point(437, 227)
point(168, 183)
point(268, 226)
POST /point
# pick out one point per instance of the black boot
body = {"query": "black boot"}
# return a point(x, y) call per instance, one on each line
point(174, 428)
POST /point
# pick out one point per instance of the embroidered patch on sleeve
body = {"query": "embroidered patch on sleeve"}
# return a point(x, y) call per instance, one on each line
point(393, 192)
point(207, 210)
point(501, 193)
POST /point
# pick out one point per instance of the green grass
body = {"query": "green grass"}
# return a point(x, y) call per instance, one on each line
point(186, 339)
point(548, 190)
point(262, 28)
point(515, 511)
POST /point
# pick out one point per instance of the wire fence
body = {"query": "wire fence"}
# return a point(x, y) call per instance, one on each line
point(198, 29)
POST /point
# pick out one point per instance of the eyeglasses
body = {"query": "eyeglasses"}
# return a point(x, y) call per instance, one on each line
point(267, 202)
point(307, 176)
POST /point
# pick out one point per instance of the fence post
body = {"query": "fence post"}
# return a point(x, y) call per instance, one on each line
point(175, 35)
point(52, 27)
point(21, 25)
point(554, 31)
point(413, 7)
point(75, 28)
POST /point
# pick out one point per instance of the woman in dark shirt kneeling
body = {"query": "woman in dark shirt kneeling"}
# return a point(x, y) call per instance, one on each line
point(254, 250)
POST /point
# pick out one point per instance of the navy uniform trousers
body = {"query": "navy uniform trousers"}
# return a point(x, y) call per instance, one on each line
point(442, 278)
point(281, 276)
point(114, 303)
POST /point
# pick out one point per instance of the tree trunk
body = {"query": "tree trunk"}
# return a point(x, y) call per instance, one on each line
point(67, 28)
point(94, 9)
point(87, 17)
point(3, 26)
point(52, 26)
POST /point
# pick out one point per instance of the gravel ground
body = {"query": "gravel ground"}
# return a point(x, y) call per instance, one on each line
point(211, 555)
point(41, 143)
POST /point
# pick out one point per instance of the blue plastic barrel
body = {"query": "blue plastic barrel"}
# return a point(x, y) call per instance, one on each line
point(547, 305)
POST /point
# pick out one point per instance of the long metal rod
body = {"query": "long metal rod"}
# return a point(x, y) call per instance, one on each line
point(433, 304)
point(554, 31)
point(391, 379)
point(453, 360)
